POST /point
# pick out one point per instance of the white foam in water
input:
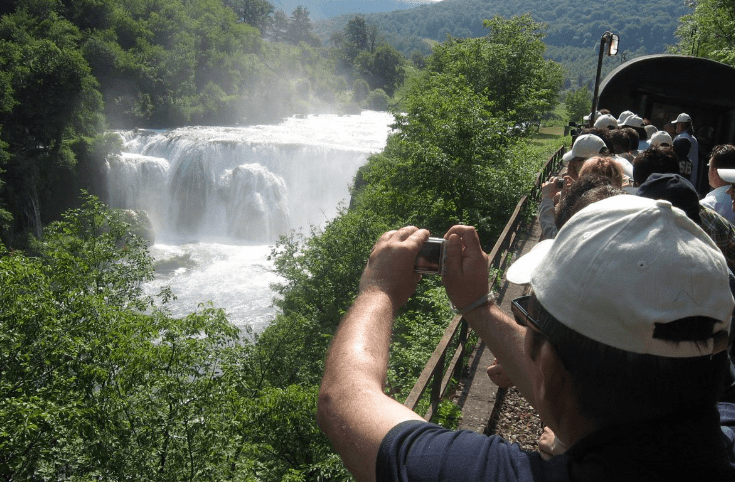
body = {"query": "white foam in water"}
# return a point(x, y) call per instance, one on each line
point(221, 196)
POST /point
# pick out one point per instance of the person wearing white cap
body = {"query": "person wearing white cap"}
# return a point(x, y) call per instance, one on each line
point(728, 175)
point(621, 348)
point(635, 122)
point(584, 147)
point(685, 128)
point(624, 115)
point(722, 157)
point(606, 121)
point(662, 138)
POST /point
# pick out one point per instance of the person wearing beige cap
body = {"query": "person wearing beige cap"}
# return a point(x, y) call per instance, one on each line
point(722, 158)
point(606, 121)
point(584, 147)
point(728, 175)
point(662, 138)
point(685, 128)
point(621, 347)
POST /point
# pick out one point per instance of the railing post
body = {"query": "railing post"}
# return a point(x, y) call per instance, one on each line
point(463, 335)
point(436, 386)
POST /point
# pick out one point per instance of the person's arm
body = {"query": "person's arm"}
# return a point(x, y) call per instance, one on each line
point(547, 210)
point(353, 410)
point(466, 280)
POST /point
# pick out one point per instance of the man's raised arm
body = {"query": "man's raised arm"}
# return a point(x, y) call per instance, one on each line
point(353, 410)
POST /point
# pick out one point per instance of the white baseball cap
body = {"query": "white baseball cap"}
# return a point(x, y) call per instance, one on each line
point(621, 265)
point(624, 115)
point(661, 137)
point(727, 175)
point(586, 146)
point(606, 120)
point(682, 118)
point(587, 117)
point(632, 121)
point(650, 129)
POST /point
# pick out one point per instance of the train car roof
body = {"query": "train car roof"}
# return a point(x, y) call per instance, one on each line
point(677, 79)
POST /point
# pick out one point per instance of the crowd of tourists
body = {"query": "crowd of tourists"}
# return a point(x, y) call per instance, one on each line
point(622, 345)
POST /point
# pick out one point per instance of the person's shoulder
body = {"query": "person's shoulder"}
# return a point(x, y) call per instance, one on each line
point(712, 217)
point(415, 450)
point(709, 200)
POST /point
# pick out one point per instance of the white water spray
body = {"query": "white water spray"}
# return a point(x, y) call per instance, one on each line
point(218, 197)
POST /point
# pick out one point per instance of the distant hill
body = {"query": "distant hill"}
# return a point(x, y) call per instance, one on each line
point(323, 9)
point(573, 32)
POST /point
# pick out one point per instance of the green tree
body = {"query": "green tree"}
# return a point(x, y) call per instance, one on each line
point(378, 100)
point(253, 12)
point(383, 70)
point(99, 382)
point(578, 103)
point(707, 31)
point(356, 33)
point(300, 29)
point(511, 70)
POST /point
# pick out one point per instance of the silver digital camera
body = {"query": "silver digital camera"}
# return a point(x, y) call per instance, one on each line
point(430, 259)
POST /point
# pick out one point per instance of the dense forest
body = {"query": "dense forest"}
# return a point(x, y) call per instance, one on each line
point(99, 381)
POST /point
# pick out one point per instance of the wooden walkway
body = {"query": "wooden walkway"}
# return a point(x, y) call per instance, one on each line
point(479, 395)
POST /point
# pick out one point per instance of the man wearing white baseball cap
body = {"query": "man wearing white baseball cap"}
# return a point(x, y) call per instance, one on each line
point(685, 128)
point(661, 138)
point(585, 147)
point(621, 348)
point(728, 175)
point(721, 159)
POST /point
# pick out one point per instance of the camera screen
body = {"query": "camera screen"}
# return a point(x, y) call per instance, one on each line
point(430, 257)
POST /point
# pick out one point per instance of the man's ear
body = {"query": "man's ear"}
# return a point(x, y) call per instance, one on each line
point(554, 385)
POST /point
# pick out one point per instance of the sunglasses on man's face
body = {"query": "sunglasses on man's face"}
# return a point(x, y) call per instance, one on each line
point(519, 307)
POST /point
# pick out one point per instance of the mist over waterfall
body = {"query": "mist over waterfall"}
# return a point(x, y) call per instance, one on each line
point(218, 197)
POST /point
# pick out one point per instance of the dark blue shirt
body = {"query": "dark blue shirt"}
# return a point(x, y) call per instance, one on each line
point(687, 446)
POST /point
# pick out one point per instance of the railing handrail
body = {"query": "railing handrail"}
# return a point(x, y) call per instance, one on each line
point(434, 369)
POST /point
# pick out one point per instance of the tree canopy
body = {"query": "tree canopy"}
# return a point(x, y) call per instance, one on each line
point(708, 31)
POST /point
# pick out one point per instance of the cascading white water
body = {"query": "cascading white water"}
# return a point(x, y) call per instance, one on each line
point(218, 197)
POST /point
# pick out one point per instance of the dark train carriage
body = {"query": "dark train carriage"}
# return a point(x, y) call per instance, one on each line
point(660, 87)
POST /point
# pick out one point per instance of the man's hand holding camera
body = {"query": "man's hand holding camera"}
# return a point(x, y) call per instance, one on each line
point(390, 268)
point(466, 266)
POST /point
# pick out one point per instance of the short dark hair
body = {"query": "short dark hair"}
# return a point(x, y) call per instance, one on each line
point(615, 386)
point(632, 137)
point(603, 134)
point(618, 140)
point(723, 156)
point(655, 159)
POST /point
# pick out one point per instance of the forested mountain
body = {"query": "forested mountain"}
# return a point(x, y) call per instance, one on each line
point(573, 28)
point(332, 8)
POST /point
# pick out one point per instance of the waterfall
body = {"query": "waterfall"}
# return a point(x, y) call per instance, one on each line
point(250, 183)
point(217, 197)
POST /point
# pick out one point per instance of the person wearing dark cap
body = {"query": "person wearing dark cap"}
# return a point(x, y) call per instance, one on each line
point(680, 192)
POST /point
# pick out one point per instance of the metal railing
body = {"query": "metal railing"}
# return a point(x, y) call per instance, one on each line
point(437, 374)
